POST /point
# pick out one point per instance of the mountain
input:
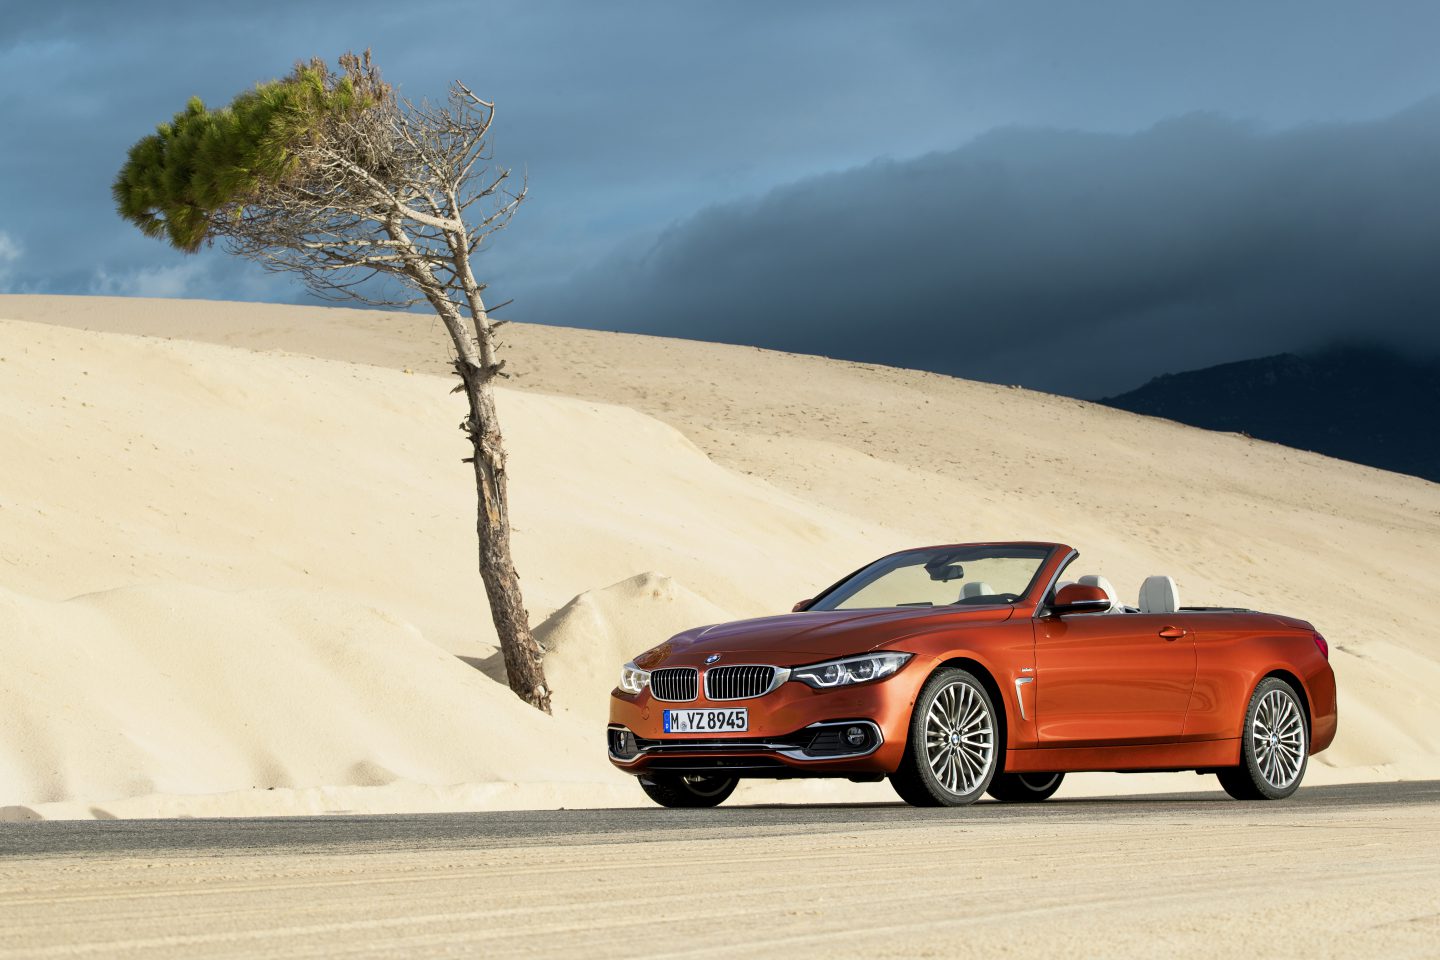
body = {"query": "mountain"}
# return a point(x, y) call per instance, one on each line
point(1363, 404)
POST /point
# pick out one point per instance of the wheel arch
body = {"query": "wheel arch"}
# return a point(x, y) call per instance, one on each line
point(1293, 680)
point(986, 677)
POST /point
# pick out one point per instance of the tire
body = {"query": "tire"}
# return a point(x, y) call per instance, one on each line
point(677, 790)
point(1274, 745)
point(1025, 787)
point(953, 749)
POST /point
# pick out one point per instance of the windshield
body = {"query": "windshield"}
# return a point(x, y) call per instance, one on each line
point(940, 576)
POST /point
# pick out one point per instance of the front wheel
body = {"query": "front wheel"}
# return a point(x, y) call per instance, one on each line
point(953, 745)
point(1025, 787)
point(675, 790)
point(1274, 746)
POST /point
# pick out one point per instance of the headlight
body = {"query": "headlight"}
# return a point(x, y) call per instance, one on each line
point(632, 678)
point(861, 669)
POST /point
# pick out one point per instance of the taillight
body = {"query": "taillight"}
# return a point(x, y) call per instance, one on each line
point(1322, 645)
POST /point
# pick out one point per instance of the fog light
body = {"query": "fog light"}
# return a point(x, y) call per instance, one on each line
point(855, 736)
point(622, 744)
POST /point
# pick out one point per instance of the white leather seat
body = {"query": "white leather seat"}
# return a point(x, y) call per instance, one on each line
point(976, 588)
point(1159, 595)
point(1093, 580)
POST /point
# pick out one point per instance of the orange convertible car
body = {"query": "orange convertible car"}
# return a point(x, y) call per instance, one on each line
point(974, 668)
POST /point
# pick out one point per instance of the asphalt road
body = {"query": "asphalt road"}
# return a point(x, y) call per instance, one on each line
point(1331, 872)
point(488, 831)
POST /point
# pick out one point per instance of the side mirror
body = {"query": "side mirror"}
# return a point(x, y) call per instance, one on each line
point(1080, 598)
point(802, 606)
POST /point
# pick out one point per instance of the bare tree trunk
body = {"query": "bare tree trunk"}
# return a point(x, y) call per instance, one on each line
point(475, 363)
point(524, 667)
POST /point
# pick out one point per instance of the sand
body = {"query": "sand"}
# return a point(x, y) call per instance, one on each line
point(238, 554)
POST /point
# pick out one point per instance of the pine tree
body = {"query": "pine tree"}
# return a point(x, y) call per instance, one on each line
point(329, 175)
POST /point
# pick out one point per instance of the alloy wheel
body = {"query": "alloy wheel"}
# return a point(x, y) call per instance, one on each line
point(1278, 735)
point(959, 738)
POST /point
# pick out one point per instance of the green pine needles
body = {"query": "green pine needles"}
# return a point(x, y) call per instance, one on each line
point(205, 164)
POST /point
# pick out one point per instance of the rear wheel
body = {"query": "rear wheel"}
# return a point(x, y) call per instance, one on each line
point(953, 744)
point(677, 790)
point(1025, 787)
point(1274, 746)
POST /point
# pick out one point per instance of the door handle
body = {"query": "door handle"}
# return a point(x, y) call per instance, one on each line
point(1173, 633)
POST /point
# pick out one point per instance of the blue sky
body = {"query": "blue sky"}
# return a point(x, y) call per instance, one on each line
point(975, 178)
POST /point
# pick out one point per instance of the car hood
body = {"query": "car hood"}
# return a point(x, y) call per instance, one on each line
point(798, 638)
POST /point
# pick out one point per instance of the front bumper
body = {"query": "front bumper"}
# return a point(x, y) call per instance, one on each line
point(794, 731)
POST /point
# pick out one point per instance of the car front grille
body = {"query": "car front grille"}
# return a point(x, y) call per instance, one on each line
point(675, 684)
point(738, 683)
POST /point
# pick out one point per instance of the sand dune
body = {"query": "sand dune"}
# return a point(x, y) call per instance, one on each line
point(282, 512)
point(137, 460)
point(218, 566)
point(595, 632)
point(182, 689)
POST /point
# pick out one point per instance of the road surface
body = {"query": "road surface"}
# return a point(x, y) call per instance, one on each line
point(1332, 872)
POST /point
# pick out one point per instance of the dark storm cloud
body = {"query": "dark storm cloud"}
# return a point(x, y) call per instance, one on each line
point(633, 114)
point(611, 108)
point(1074, 262)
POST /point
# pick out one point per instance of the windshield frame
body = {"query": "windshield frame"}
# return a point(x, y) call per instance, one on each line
point(837, 592)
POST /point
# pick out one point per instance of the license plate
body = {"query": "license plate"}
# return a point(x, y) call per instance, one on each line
point(732, 720)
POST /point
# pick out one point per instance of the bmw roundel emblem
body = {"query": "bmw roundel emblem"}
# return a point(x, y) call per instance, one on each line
point(712, 658)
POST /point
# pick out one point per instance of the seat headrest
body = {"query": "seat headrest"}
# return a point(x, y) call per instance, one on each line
point(1159, 595)
point(976, 588)
point(1094, 580)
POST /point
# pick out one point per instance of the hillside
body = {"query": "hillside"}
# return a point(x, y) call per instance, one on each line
point(298, 478)
point(1368, 406)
